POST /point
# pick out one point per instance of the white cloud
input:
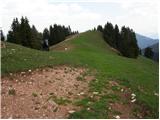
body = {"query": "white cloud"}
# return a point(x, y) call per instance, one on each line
point(42, 14)
point(142, 15)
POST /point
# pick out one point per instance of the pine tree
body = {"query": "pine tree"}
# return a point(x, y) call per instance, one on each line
point(124, 41)
point(25, 32)
point(100, 28)
point(22, 33)
point(16, 31)
point(117, 38)
point(10, 37)
point(2, 35)
point(129, 47)
point(148, 52)
point(108, 34)
point(36, 39)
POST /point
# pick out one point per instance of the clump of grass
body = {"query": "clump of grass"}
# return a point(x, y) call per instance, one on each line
point(116, 112)
point(115, 88)
point(12, 91)
point(34, 94)
point(84, 102)
point(80, 78)
point(60, 101)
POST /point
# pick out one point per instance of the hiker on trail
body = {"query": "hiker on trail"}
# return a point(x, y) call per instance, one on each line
point(45, 45)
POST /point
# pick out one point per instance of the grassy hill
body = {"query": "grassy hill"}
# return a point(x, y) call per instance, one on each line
point(89, 50)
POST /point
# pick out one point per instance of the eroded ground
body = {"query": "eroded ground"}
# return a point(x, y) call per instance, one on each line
point(43, 93)
point(54, 92)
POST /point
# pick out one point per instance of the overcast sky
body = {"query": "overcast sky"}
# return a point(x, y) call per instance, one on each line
point(82, 15)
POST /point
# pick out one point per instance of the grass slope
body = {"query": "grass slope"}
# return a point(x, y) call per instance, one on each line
point(90, 50)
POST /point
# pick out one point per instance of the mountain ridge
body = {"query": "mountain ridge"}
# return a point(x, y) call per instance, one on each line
point(144, 41)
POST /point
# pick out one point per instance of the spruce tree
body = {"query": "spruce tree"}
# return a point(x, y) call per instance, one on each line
point(2, 35)
point(36, 39)
point(148, 52)
point(100, 28)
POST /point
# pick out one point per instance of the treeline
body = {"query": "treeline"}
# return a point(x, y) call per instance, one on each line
point(124, 40)
point(57, 33)
point(22, 33)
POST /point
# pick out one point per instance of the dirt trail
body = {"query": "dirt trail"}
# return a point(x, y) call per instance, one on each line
point(43, 93)
point(64, 46)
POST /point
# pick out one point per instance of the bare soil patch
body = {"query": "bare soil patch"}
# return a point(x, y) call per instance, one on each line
point(43, 93)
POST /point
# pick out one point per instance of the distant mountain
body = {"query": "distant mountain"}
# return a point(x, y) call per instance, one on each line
point(144, 41)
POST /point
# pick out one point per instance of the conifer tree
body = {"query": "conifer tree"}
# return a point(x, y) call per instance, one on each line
point(100, 28)
point(148, 52)
point(2, 35)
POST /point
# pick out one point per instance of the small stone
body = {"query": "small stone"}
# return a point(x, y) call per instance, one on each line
point(109, 108)
point(117, 117)
point(29, 70)
point(133, 95)
point(82, 93)
point(22, 72)
point(95, 93)
point(122, 90)
point(71, 111)
point(89, 103)
point(29, 83)
point(133, 100)
point(65, 48)
point(11, 74)
point(156, 94)
point(88, 108)
point(91, 96)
